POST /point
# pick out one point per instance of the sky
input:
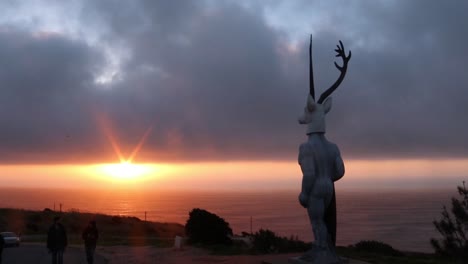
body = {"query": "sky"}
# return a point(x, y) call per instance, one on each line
point(203, 88)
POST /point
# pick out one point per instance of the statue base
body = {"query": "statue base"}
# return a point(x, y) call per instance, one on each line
point(324, 260)
point(318, 255)
point(296, 260)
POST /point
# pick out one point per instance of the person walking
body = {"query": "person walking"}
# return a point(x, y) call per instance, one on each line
point(90, 236)
point(2, 244)
point(57, 241)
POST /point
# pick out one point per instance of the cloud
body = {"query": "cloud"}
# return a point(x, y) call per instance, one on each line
point(221, 81)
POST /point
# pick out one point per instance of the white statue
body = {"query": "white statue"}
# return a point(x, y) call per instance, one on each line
point(321, 166)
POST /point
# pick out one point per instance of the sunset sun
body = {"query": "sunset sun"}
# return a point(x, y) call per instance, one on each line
point(125, 170)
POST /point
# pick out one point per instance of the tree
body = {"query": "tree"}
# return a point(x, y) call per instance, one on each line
point(454, 229)
point(206, 228)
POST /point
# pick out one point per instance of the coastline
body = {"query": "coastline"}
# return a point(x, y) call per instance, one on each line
point(131, 240)
point(402, 219)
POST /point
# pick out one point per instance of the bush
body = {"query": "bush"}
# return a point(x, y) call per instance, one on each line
point(266, 241)
point(117, 220)
point(376, 247)
point(454, 229)
point(206, 228)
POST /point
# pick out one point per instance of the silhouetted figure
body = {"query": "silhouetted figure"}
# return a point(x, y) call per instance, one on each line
point(90, 236)
point(2, 244)
point(57, 241)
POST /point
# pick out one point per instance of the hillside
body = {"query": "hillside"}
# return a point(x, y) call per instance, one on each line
point(33, 226)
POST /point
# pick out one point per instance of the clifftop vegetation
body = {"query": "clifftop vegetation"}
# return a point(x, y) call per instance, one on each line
point(33, 225)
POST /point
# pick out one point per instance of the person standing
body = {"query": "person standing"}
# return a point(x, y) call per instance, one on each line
point(2, 244)
point(90, 236)
point(57, 241)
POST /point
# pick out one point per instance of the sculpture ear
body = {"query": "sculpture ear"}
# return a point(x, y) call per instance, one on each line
point(327, 104)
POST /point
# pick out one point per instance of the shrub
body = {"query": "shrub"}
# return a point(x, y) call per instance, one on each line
point(454, 229)
point(206, 228)
point(376, 247)
point(266, 241)
point(34, 218)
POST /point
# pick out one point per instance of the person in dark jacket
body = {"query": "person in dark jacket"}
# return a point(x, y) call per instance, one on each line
point(57, 241)
point(2, 244)
point(90, 236)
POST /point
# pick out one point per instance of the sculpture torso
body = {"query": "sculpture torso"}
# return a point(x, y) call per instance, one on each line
point(321, 165)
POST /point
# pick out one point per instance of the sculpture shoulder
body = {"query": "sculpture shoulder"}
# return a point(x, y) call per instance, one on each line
point(333, 147)
point(312, 147)
point(318, 148)
point(306, 148)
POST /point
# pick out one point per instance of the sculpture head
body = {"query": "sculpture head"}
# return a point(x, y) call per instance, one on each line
point(314, 112)
point(314, 115)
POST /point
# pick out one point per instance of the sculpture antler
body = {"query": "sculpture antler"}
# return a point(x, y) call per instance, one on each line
point(311, 71)
point(340, 53)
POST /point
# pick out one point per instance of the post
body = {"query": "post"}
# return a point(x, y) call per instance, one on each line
point(145, 216)
point(60, 207)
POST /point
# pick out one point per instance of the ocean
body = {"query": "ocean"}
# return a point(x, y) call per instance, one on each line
point(401, 218)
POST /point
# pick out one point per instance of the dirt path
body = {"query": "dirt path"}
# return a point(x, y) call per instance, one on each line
point(151, 255)
point(37, 254)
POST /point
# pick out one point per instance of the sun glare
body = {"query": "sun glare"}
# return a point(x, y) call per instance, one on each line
point(126, 170)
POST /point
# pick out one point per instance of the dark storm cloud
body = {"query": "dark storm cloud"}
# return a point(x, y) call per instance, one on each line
point(217, 82)
point(411, 89)
point(46, 82)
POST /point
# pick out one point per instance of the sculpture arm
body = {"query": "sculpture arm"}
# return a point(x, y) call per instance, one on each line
point(307, 184)
point(339, 166)
point(307, 168)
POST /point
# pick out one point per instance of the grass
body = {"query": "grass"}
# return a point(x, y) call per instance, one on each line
point(347, 252)
point(368, 251)
point(379, 258)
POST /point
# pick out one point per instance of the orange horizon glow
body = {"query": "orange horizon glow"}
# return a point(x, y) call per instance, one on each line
point(234, 175)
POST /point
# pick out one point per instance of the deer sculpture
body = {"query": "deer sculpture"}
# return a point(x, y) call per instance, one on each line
point(321, 166)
